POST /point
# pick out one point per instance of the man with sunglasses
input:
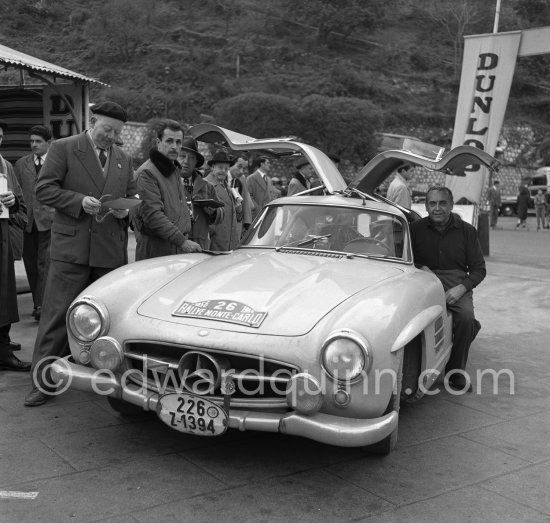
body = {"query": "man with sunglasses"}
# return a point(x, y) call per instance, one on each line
point(79, 174)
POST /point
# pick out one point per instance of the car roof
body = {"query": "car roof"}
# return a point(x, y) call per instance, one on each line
point(338, 200)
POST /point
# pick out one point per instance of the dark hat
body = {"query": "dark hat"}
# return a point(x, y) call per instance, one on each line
point(190, 144)
point(221, 157)
point(4, 126)
point(301, 162)
point(110, 109)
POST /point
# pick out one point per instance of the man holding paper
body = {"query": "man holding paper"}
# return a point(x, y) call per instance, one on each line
point(79, 174)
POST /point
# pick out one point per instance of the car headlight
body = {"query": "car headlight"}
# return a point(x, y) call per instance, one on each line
point(87, 320)
point(106, 353)
point(345, 355)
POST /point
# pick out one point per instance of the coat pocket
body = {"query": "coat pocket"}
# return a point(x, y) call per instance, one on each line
point(67, 230)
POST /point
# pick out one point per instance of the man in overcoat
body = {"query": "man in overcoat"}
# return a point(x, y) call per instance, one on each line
point(11, 203)
point(163, 218)
point(80, 173)
point(36, 238)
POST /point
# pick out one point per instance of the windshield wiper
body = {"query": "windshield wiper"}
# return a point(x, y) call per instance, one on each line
point(301, 243)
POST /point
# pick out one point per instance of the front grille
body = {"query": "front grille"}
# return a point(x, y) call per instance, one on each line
point(259, 382)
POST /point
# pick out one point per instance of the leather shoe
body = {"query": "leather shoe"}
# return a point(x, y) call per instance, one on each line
point(12, 362)
point(36, 397)
point(15, 346)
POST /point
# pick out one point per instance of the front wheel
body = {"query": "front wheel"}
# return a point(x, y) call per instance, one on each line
point(507, 210)
point(386, 445)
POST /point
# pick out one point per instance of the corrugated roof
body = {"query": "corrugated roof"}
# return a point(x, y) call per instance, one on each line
point(12, 57)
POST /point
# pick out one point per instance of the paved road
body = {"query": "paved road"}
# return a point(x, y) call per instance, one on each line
point(480, 457)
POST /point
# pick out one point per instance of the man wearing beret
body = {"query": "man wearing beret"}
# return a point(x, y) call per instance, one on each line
point(301, 180)
point(80, 172)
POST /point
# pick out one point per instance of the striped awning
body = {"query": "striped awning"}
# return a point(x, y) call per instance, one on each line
point(11, 57)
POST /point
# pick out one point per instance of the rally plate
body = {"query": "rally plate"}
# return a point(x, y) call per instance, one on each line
point(192, 414)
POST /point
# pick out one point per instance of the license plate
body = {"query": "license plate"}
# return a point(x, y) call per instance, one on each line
point(192, 414)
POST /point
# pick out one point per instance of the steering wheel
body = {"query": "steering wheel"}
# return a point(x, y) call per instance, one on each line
point(365, 246)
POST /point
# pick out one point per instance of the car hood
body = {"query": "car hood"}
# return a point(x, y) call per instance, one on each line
point(264, 292)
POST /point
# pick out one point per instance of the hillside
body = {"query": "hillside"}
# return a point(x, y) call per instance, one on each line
point(191, 59)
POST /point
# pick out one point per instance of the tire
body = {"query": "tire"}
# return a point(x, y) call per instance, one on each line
point(386, 445)
point(125, 409)
point(507, 210)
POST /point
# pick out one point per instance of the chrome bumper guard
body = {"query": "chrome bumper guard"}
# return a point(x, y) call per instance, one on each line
point(325, 428)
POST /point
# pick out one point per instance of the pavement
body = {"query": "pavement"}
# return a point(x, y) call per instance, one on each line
point(483, 456)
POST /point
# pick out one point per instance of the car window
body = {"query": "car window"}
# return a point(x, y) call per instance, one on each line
point(329, 228)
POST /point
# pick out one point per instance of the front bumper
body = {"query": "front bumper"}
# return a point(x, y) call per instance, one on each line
point(325, 428)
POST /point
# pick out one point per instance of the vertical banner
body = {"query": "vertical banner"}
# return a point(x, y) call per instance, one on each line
point(487, 71)
point(57, 111)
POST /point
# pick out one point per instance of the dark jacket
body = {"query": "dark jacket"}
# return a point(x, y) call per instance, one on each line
point(163, 218)
point(71, 172)
point(522, 203)
point(224, 236)
point(455, 251)
point(204, 217)
point(42, 215)
point(8, 291)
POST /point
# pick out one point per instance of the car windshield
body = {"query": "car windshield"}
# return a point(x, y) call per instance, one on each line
point(358, 231)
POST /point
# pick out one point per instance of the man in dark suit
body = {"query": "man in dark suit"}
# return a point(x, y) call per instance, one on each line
point(36, 238)
point(79, 173)
point(259, 185)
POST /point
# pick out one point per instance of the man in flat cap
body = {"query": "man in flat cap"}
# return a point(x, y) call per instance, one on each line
point(80, 172)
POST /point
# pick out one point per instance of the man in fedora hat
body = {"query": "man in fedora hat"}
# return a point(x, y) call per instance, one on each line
point(197, 189)
point(79, 173)
point(163, 218)
point(259, 185)
point(224, 236)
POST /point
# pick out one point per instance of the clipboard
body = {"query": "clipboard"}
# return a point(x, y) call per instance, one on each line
point(121, 203)
point(208, 203)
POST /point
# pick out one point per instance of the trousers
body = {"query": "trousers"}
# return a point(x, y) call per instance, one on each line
point(64, 283)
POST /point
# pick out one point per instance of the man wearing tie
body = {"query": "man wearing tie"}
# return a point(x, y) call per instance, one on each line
point(36, 238)
point(80, 173)
point(259, 185)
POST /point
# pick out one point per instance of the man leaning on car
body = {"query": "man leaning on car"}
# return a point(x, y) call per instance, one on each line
point(449, 247)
